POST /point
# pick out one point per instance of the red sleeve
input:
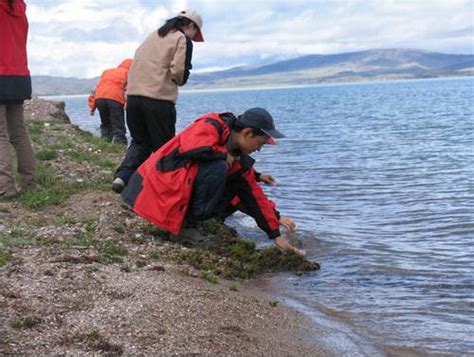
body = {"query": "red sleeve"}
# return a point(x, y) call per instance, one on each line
point(256, 204)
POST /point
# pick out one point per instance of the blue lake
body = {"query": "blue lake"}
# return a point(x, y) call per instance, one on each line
point(379, 178)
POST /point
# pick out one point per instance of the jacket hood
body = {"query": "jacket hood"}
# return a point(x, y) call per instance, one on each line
point(126, 63)
point(19, 8)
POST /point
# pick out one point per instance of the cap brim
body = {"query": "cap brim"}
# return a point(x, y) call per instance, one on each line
point(273, 133)
point(198, 37)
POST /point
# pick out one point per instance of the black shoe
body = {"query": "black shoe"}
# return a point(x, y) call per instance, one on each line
point(118, 185)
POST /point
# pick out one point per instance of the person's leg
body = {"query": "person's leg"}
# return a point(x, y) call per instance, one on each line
point(208, 189)
point(7, 184)
point(102, 106)
point(117, 119)
point(21, 142)
point(160, 117)
point(140, 147)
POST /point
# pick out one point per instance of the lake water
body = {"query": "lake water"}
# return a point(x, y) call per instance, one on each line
point(379, 178)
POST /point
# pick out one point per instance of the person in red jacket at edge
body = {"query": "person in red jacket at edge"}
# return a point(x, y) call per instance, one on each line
point(109, 99)
point(15, 87)
point(206, 172)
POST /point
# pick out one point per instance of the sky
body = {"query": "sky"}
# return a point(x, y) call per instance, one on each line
point(81, 38)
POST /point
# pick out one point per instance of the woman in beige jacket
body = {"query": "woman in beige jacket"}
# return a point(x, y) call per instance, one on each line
point(161, 64)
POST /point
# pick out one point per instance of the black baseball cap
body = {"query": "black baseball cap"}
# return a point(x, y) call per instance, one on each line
point(259, 118)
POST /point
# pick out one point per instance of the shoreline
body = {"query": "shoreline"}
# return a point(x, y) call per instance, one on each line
point(83, 274)
point(276, 87)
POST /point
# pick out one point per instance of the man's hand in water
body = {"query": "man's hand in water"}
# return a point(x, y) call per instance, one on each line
point(284, 245)
point(268, 179)
point(288, 223)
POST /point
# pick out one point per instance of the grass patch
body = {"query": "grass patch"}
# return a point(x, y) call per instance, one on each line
point(35, 129)
point(211, 278)
point(119, 228)
point(27, 322)
point(4, 209)
point(102, 145)
point(5, 257)
point(112, 251)
point(97, 160)
point(156, 255)
point(47, 154)
point(16, 237)
point(94, 335)
point(61, 220)
point(46, 175)
point(43, 198)
point(54, 191)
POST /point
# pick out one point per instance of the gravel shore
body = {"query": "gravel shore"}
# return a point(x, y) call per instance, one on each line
point(82, 275)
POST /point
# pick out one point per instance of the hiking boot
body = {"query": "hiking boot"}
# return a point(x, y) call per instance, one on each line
point(192, 237)
point(8, 191)
point(118, 185)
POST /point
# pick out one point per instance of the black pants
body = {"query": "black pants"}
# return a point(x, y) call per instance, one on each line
point(112, 120)
point(208, 199)
point(151, 123)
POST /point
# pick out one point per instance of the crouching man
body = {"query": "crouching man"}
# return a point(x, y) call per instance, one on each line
point(206, 172)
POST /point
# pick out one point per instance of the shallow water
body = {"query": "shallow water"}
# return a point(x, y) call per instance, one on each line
point(379, 178)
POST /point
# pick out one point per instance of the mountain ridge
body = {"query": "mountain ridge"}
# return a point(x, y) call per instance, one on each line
point(358, 66)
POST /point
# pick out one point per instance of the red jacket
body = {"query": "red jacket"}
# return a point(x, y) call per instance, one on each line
point(112, 84)
point(15, 81)
point(161, 188)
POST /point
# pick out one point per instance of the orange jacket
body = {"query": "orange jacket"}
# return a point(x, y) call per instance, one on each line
point(113, 83)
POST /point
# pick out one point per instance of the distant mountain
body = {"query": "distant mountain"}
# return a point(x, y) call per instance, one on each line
point(370, 65)
point(49, 85)
point(343, 67)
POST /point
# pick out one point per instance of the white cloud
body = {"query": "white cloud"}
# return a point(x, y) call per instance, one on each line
point(80, 38)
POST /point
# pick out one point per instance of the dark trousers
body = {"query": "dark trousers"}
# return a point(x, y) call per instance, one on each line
point(208, 199)
point(151, 123)
point(112, 120)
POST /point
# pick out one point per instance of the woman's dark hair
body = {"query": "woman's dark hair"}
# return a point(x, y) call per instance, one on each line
point(176, 23)
point(10, 3)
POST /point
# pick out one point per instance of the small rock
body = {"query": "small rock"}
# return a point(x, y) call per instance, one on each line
point(156, 267)
point(103, 220)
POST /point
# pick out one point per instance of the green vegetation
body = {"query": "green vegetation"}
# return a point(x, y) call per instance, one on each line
point(156, 255)
point(16, 237)
point(53, 190)
point(5, 257)
point(239, 258)
point(93, 158)
point(100, 144)
point(47, 154)
point(210, 278)
point(119, 228)
point(35, 129)
point(27, 322)
point(94, 335)
point(112, 251)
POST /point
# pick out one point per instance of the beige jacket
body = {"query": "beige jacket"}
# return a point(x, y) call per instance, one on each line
point(160, 65)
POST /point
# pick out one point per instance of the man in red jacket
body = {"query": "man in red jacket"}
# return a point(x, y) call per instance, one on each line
point(109, 98)
point(206, 172)
point(15, 87)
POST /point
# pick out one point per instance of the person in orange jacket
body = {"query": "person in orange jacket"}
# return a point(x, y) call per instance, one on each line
point(109, 99)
